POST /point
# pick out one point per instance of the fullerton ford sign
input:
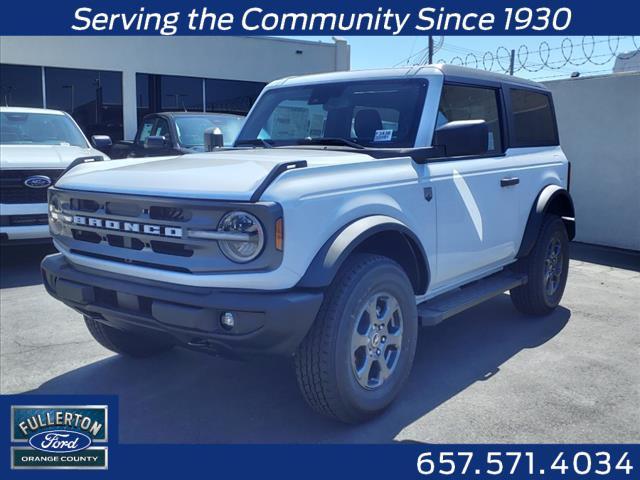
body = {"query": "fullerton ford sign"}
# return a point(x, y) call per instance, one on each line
point(59, 436)
point(126, 227)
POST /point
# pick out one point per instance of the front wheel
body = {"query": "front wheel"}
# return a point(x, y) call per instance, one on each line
point(547, 267)
point(360, 350)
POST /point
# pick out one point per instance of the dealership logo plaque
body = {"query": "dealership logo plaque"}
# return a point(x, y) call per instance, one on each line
point(59, 437)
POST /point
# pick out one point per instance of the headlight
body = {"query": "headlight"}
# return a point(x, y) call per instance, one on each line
point(55, 216)
point(249, 232)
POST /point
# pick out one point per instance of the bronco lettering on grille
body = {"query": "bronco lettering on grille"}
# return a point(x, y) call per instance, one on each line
point(132, 227)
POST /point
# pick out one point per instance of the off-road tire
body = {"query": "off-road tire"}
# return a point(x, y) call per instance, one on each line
point(324, 359)
point(533, 298)
point(126, 343)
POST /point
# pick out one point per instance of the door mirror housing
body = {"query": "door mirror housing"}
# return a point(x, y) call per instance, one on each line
point(153, 142)
point(101, 142)
point(463, 137)
point(213, 138)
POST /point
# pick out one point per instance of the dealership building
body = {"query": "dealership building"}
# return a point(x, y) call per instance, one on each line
point(109, 83)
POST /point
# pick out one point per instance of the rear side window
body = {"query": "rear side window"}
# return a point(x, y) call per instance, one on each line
point(459, 102)
point(533, 119)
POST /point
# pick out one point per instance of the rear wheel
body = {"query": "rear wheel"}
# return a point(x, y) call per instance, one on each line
point(126, 343)
point(360, 350)
point(547, 267)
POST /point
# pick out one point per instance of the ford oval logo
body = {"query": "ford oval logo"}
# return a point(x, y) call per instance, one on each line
point(38, 181)
point(60, 441)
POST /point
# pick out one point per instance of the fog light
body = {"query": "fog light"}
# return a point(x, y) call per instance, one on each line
point(227, 320)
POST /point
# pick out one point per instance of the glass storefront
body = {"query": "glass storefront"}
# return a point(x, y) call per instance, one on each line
point(231, 96)
point(92, 97)
point(162, 93)
point(21, 86)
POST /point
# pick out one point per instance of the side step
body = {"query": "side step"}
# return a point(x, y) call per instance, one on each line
point(448, 304)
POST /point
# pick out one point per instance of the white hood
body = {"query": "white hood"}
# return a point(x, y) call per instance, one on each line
point(41, 156)
point(224, 175)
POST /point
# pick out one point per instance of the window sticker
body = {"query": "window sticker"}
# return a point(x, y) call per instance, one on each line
point(383, 135)
point(491, 144)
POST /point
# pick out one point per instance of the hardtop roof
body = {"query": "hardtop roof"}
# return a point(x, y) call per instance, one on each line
point(450, 72)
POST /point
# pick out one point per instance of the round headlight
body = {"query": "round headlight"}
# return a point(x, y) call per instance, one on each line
point(250, 233)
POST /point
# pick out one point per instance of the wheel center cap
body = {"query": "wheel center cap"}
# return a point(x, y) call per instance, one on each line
point(375, 340)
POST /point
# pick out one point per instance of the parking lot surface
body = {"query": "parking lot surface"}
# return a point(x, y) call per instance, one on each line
point(486, 375)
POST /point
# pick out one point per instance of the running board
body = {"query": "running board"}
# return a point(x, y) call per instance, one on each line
point(446, 305)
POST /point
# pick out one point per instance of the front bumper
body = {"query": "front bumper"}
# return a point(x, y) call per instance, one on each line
point(26, 234)
point(266, 322)
point(22, 230)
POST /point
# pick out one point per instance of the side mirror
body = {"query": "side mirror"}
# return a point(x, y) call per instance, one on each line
point(155, 142)
point(101, 142)
point(463, 137)
point(213, 138)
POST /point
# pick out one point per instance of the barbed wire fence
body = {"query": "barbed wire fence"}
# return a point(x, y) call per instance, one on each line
point(545, 60)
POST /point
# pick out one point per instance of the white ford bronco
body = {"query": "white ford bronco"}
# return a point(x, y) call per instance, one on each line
point(354, 208)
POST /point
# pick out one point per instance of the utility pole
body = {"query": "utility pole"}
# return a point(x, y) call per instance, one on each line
point(512, 60)
point(430, 49)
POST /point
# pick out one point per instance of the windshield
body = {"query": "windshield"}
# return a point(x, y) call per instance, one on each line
point(191, 129)
point(39, 129)
point(381, 114)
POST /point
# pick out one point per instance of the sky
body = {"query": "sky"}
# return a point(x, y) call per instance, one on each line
point(388, 51)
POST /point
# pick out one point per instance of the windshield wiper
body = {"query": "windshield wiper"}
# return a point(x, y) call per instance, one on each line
point(330, 141)
point(255, 142)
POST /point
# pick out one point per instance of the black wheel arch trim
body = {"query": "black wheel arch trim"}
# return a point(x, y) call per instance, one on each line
point(344, 242)
point(552, 199)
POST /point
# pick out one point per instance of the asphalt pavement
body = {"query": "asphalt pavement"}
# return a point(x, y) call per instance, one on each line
point(486, 375)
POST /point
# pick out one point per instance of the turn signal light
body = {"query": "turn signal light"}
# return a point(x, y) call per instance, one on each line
point(279, 235)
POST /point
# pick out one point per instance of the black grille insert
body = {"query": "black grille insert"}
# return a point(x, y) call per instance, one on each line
point(86, 236)
point(125, 242)
point(123, 209)
point(23, 220)
point(169, 213)
point(169, 248)
point(83, 205)
point(13, 189)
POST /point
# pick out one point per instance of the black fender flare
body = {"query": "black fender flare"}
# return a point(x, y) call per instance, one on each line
point(552, 199)
point(328, 260)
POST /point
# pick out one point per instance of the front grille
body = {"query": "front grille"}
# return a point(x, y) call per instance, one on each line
point(113, 228)
point(23, 220)
point(13, 189)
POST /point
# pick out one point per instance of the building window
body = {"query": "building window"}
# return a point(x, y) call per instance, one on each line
point(460, 102)
point(21, 86)
point(533, 120)
point(180, 94)
point(92, 97)
point(162, 93)
point(231, 96)
point(167, 93)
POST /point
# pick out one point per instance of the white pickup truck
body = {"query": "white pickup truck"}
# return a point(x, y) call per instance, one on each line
point(355, 208)
point(36, 145)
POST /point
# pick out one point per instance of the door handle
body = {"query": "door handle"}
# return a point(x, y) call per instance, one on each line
point(507, 182)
